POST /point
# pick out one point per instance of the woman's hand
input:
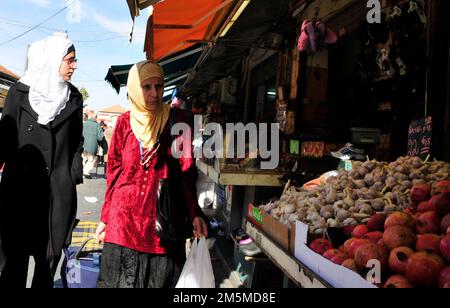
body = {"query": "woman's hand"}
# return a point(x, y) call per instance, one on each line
point(100, 232)
point(200, 227)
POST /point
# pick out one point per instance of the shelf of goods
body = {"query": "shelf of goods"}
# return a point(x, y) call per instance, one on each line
point(229, 175)
point(294, 269)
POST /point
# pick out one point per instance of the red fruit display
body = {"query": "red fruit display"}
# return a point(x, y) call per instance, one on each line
point(426, 206)
point(369, 252)
point(398, 282)
point(320, 246)
point(428, 242)
point(440, 187)
point(350, 264)
point(360, 231)
point(374, 237)
point(445, 224)
point(419, 193)
point(355, 245)
point(331, 253)
point(445, 247)
point(376, 222)
point(398, 259)
point(429, 222)
point(399, 219)
point(444, 277)
point(399, 236)
point(441, 202)
point(423, 269)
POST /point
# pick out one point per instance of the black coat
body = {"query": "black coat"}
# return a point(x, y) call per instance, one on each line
point(43, 165)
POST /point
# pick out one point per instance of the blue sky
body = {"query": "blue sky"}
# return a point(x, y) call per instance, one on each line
point(99, 32)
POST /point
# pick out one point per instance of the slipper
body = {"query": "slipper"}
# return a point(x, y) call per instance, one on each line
point(327, 35)
point(303, 41)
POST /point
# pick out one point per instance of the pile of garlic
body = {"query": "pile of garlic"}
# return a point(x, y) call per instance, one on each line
point(352, 197)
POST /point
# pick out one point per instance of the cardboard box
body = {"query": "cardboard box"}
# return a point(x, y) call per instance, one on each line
point(336, 275)
point(280, 233)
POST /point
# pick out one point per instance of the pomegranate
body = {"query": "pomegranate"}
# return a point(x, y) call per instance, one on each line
point(444, 277)
point(423, 269)
point(355, 245)
point(445, 224)
point(331, 253)
point(426, 206)
point(341, 248)
point(339, 259)
point(445, 247)
point(320, 246)
point(398, 259)
point(348, 230)
point(376, 222)
point(350, 264)
point(440, 187)
point(446, 286)
point(368, 252)
point(399, 236)
point(429, 222)
point(360, 231)
point(448, 231)
point(399, 219)
point(442, 203)
point(428, 242)
point(347, 245)
point(419, 193)
point(374, 237)
point(398, 282)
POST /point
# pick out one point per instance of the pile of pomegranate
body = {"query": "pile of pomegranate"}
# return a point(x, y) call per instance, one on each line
point(412, 245)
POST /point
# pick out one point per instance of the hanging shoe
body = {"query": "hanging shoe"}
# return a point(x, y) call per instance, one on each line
point(326, 34)
point(303, 40)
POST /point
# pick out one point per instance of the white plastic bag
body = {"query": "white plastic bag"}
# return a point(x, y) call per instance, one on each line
point(197, 271)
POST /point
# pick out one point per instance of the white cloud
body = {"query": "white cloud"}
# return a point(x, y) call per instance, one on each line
point(121, 27)
point(43, 3)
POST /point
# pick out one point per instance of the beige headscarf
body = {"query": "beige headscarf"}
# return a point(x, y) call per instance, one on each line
point(146, 125)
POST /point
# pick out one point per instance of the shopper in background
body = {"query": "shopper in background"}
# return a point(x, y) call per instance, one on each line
point(93, 136)
point(138, 159)
point(41, 145)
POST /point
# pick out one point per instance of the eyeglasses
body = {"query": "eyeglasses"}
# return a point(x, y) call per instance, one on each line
point(71, 61)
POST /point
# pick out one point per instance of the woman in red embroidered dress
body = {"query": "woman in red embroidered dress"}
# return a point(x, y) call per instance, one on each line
point(133, 255)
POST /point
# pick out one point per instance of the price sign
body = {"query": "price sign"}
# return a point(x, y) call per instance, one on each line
point(419, 137)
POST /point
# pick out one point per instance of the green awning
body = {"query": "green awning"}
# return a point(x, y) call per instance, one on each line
point(176, 68)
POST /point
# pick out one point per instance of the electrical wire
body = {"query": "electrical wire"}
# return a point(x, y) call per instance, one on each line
point(36, 26)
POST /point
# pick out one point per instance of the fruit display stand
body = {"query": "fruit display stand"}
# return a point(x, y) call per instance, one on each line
point(291, 267)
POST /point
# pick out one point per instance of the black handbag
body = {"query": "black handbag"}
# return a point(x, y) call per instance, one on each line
point(172, 222)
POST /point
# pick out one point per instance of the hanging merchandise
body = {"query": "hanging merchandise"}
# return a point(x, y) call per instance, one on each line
point(314, 33)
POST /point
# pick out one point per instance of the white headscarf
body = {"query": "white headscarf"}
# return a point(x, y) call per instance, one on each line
point(49, 93)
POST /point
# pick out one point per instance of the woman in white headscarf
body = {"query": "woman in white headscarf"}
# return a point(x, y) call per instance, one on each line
point(41, 129)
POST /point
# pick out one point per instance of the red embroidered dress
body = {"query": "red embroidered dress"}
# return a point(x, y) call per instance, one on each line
point(131, 193)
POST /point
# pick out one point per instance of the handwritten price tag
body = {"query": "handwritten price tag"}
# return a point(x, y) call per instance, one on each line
point(419, 137)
